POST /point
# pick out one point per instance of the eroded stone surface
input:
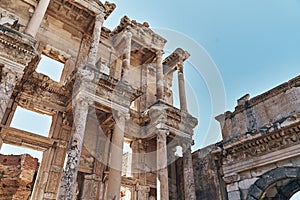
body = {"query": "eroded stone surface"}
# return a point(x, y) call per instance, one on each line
point(125, 92)
point(17, 176)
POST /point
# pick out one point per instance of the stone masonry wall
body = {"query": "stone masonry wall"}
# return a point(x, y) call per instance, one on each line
point(17, 176)
point(208, 181)
point(207, 176)
point(262, 111)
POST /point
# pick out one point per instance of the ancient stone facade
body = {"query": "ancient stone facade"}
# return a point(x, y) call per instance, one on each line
point(115, 88)
point(17, 176)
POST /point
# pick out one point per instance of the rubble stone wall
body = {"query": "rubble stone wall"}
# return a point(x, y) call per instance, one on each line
point(17, 176)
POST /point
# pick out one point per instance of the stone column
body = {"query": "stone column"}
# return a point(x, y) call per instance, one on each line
point(181, 84)
point(159, 76)
point(138, 160)
point(103, 183)
point(115, 171)
point(126, 56)
point(68, 181)
point(188, 174)
point(172, 173)
point(10, 74)
point(135, 158)
point(93, 50)
point(162, 164)
point(37, 17)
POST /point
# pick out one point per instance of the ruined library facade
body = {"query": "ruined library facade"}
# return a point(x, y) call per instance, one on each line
point(115, 88)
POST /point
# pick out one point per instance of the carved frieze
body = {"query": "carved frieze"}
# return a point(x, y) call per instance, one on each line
point(16, 46)
point(248, 146)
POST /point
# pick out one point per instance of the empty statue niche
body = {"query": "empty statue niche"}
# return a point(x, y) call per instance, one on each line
point(32, 122)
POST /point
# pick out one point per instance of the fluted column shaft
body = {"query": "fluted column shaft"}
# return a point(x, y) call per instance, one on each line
point(159, 76)
point(115, 171)
point(37, 17)
point(162, 163)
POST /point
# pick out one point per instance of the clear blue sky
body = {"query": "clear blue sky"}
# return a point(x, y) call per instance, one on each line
point(251, 46)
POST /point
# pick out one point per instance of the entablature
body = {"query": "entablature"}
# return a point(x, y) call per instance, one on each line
point(16, 46)
point(141, 33)
point(260, 148)
point(162, 116)
point(171, 63)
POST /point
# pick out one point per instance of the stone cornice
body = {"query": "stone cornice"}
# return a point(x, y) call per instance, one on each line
point(175, 61)
point(140, 32)
point(45, 83)
point(109, 8)
point(16, 46)
point(42, 94)
point(248, 146)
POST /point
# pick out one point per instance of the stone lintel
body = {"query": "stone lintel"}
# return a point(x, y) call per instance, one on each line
point(25, 139)
point(106, 102)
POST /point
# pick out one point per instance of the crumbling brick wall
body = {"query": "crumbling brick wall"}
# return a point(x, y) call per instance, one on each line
point(17, 176)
